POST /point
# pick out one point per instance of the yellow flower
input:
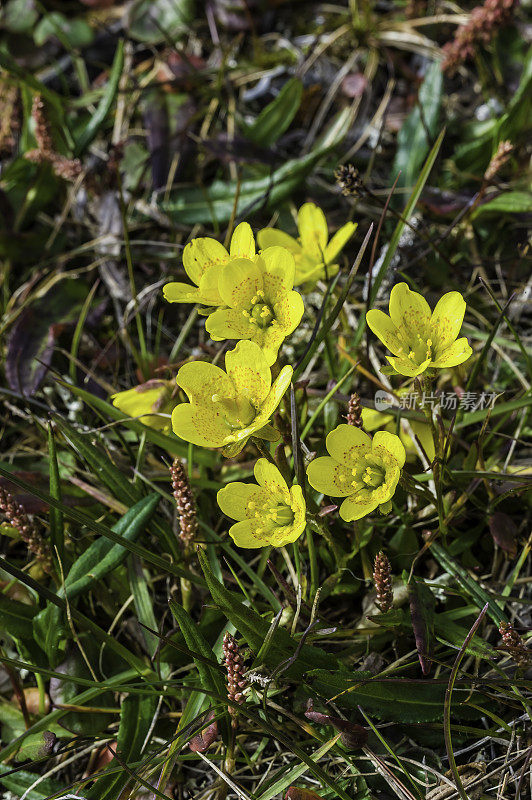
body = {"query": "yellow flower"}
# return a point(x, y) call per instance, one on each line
point(226, 408)
point(260, 303)
point(418, 339)
point(148, 401)
point(268, 513)
point(363, 470)
point(203, 260)
point(313, 254)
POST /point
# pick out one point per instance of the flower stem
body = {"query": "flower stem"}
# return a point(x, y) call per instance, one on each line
point(437, 464)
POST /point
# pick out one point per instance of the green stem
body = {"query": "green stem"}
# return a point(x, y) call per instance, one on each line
point(437, 465)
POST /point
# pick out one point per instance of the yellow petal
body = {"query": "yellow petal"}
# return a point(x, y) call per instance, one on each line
point(181, 293)
point(249, 373)
point(372, 419)
point(243, 534)
point(289, 310)
point(268, 476)
point(329, 477)
point(309, 271)
point(242, 242)
point(409, 311)
point(201, 380)
point(203, 426)
point(386, 330)
point(270, 237)
point(200, 254)
point(358, 506)
point(391, 443)
point(239, 282)
point(279, 269)
point(208, 285)
point(456, 354)
point(348, 444)
point(229, 323)
point(298, 502)
point(339, 241)
point(283, 535)
point(269, 340)
point(312, 227)
point(404, 366)
point(142, 401)
point(424, 434)
point(446, 320)
point(234, 499)
point(276, 393)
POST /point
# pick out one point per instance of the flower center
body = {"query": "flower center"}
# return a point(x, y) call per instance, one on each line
point(238, 411)
point(373, 477)
point(260, 312)
point(421, 349)
point(279, 513)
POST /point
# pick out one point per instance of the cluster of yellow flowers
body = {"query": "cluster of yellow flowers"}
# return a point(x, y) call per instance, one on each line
point(249, 296)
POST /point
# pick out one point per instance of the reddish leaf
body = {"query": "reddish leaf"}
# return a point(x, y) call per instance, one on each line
point(32, 339)
point(203, 740)
point(353, 736)
point(354, 84)
point(422, 615)
point(504, 532)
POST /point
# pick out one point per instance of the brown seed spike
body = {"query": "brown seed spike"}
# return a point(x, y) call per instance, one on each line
point(186, 505)
point(354, 411)
point(28, 530)
point(382, 575)
point(484, 22)
point(348, 179)
point(234, 664)
point(514, 645)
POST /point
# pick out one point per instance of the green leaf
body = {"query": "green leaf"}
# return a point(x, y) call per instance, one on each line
point(413, 140)
point(216, 203)
point(136, 717)
point(95, 121)
point(57, 714)
point(470, 586)
point(143, 604)
point(19, 16)
point(156, 21)
point(280, 784)
point(277, 116)
point(506, 203)
point(100, 464)
point(448, 632)
point(63, 691)
point(19, 782)
point(255, 629)
point(103, 556)
point(211, 678)
point(73, 33)
point(37, 746)
point(396, 699)
point(50, 633)
point(97, 527)
point(100, 558)
point(17, 618)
